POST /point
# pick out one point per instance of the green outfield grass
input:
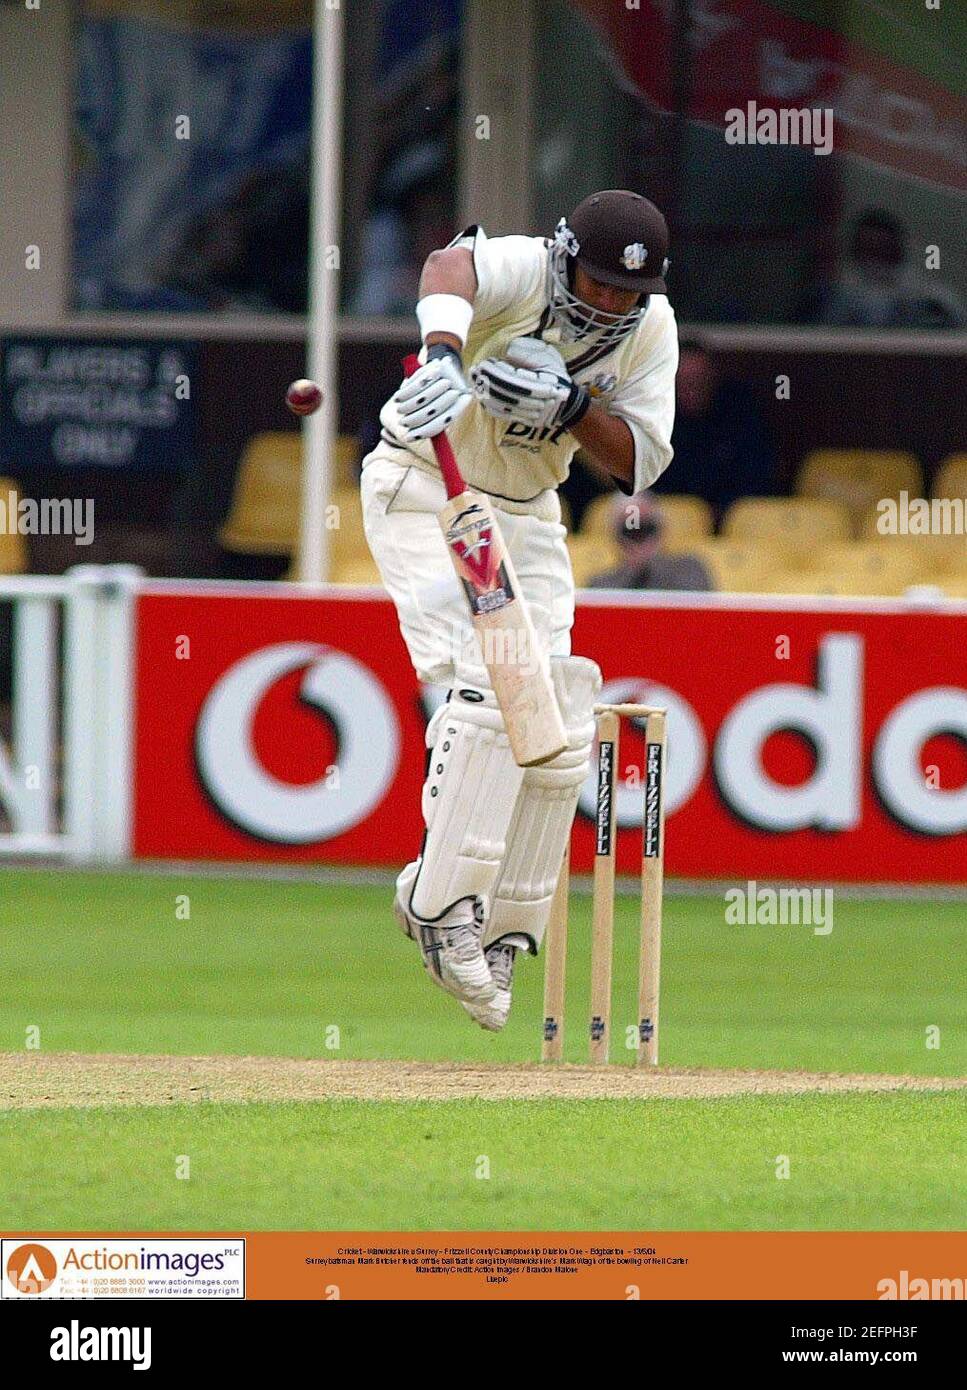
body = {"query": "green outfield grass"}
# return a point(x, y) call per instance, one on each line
point(855, 1162)
point(102, 963)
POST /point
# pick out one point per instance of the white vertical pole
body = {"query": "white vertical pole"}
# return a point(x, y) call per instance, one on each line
point(35, 683)
point(319, 430)
point(115, 703)
point(81, 715)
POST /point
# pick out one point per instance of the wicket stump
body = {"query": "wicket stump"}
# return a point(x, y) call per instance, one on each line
point(603, 898)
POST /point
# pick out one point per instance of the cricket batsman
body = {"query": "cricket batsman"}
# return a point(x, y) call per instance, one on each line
point(531, 348)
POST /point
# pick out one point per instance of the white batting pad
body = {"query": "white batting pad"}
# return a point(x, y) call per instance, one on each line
point(545, 810)
point(468, 803)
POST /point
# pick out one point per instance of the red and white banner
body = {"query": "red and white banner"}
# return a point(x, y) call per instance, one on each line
point(904, 114)
point(818, 743)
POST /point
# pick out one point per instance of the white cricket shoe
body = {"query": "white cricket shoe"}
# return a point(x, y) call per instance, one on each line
point(452, 951)
point(493, 1015)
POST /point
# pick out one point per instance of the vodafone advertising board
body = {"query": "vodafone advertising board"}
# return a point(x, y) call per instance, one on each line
point(825, 743)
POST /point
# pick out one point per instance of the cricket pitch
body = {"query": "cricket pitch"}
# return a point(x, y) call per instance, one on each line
point(31, 1080)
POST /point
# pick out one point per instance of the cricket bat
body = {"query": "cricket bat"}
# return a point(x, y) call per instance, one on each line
point(518, 668)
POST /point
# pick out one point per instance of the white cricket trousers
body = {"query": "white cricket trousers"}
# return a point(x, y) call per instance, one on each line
point(401, 504)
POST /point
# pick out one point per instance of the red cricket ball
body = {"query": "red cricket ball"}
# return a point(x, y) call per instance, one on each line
point(303, 397)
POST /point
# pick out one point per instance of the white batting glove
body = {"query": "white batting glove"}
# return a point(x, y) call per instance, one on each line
point(531, 386)
point(433, 397)
point(536, 355)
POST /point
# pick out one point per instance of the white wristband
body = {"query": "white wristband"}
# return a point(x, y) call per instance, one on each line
point(445, 313)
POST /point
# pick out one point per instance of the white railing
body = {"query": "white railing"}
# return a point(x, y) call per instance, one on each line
point(65, 778)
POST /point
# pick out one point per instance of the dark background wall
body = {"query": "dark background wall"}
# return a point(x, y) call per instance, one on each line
point(169, 523)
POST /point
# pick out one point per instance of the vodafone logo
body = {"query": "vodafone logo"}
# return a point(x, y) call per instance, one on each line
point(362, 719)
point(685, 764)
point(896, 761)
point(828, 718)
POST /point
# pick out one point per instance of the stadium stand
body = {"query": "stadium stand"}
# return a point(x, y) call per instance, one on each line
point(686, 518)
point(13, 548)
point(264, 515)
point(791, 526)
point(951, 479)
point(858, 477)
point(736, 565)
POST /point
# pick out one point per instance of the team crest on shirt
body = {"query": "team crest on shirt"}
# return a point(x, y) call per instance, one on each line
point(602, 383)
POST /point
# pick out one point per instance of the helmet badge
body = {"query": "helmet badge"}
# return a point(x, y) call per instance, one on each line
point(634, 256)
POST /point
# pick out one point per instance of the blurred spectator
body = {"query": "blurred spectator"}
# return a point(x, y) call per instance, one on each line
point(250, 252)
point(723, 447)
point(412, 209)
point(879, 288)
point(398, 239)
point(639, 525)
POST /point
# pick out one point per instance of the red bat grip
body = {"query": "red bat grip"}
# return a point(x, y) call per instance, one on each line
point(452, 477)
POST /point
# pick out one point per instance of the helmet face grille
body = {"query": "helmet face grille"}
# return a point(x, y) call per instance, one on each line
point(576, 320)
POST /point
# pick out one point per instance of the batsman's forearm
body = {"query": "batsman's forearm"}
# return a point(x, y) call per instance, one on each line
point(448, 271)
point(609, 441)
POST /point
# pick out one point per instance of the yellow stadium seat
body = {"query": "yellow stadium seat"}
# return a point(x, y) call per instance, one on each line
point(943, 556)
point(951, 479)
point(858, 477)
point(591, 555)
point(13, 547)
point(822, 585)
point(358, 569)
point(686, 517)
point(736, 566)
point(598, 518)
point(792, 526)
point(816, 582)
point(939, 554)
point(13, 554)
point(345, 472)
point(872, 568)
point(264, 515)
point(344, 525)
